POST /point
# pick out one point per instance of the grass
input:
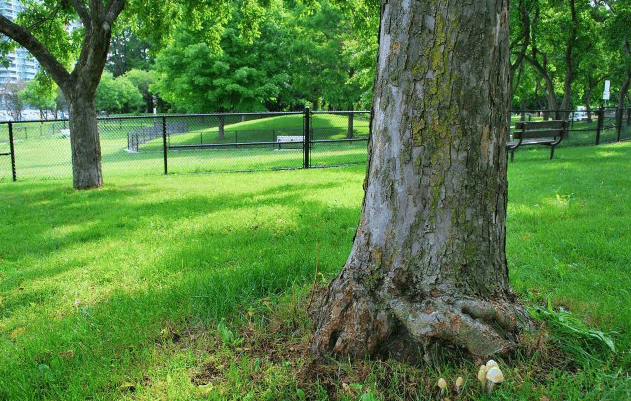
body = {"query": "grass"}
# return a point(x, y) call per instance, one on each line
point(194, 287)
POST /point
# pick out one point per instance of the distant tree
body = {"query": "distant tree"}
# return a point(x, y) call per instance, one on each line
point(243, 75)
point(40, 93)
point(618, 37)
point(117, 94)
point(128, 52)
point(76, 59)
point(12, 99)
point(332, 60)
point(143, 80)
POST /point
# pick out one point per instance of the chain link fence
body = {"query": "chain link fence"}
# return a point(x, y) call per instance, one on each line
point(227, 142)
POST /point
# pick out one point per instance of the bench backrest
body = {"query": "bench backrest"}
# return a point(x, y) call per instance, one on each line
point(540, 129)
point(290, 138)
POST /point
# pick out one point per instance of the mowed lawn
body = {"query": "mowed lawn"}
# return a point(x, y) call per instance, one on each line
point(104, 293)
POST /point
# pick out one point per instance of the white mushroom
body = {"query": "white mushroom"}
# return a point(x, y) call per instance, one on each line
point(443, 385)
point(491, 363)
point(459, 383)
point(494, 376)
point(482, 375)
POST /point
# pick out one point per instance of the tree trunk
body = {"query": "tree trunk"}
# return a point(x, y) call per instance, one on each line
point(84, 142)
point(349, 130)
point(221, 124)
point(427, 272)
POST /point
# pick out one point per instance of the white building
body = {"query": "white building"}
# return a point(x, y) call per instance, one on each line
point(23, 67)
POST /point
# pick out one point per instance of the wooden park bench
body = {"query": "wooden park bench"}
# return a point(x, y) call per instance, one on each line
point(548, 133)
point(280, 139)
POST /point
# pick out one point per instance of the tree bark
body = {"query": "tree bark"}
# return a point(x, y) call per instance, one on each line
point(85, 143)
point(427, 272)
point(624, 88)
point(80, 85)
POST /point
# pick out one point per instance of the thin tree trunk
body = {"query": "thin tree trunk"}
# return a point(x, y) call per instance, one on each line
point(221, 123)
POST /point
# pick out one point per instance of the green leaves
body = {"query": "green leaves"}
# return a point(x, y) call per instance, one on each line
point(574, 336)
point(118, 94)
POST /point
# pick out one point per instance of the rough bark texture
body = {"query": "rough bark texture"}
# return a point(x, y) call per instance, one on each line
point(85, 144)
point(80, 85)
point(428, 270)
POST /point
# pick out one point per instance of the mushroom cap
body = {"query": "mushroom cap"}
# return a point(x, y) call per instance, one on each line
point(495, 375)
point(442, 383)
point(459, 381)
point(490, 364)
point(482, 374)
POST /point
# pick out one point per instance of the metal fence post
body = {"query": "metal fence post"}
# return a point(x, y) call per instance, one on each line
point(12, 150)
point(599, 125)
point(164, 143)
point(306, 138)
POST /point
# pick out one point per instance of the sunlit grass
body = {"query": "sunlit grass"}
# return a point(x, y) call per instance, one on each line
point(117, 293)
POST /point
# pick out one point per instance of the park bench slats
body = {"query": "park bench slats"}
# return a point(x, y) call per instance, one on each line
point(548, 133)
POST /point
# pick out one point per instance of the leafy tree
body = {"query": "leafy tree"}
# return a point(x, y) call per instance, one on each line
point(128, 52)
point(142, 80)
point(76, 59)
point(428, 272)
point(117, 94)
point(559, 40)
point(40, 93)
point(333, 62)
point(619, 40)
point(243, 76)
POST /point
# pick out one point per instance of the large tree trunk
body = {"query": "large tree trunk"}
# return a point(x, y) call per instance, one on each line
point(428, 270)
point(79, 86)
point(85, 144)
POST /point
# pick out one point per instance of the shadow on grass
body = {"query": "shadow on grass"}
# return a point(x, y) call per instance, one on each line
point(202, 272)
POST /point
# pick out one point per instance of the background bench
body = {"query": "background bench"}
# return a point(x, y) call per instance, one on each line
point(547, 133)
point(280, 139)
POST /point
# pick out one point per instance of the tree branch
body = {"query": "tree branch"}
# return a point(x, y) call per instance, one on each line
point(23, 37)
point(113, 10)
point(83, 12)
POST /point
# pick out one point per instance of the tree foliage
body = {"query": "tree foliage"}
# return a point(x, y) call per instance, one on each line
point(40, 93)
point(12, 99)
point(243, 76)
point(562, 51)
point(304, 54)
point(117, 94)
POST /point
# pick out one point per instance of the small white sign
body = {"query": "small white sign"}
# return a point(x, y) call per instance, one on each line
point(606, 92)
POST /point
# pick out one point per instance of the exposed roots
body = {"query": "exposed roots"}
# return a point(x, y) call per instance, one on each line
point(349, 322)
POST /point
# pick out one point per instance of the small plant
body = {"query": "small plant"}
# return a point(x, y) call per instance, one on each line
point(227, 336)
point(584, 343)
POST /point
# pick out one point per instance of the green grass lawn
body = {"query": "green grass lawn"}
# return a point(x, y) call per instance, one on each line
point(191, 287)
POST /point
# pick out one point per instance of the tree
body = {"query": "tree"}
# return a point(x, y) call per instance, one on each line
point(128, 52)
point(244, 75)
point(143, 81)
point(40, 93)
point(75, 59)
point(619, 40)
point(12, 99)
point(428, 272)
point(117, 94)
